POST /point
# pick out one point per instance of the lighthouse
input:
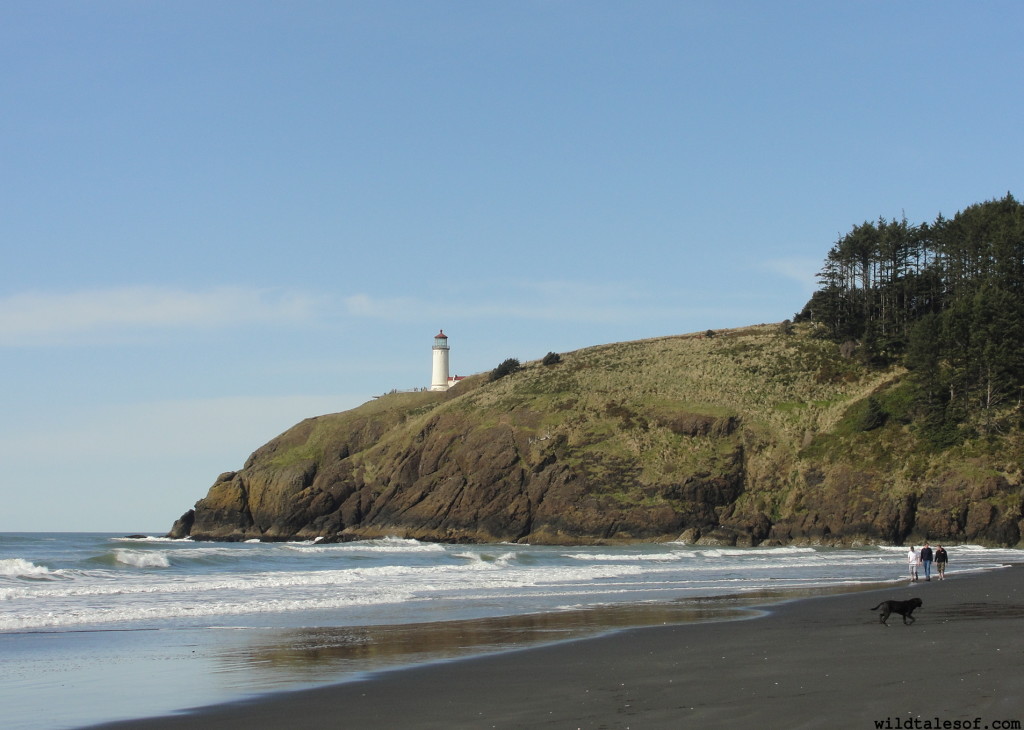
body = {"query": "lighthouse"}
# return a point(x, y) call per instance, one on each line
point(439, 377)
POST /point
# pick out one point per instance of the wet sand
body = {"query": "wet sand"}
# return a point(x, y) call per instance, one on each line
point(822, 662)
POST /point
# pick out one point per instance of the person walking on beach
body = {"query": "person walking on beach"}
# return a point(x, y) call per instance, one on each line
point(941, 558)
point(926, 561)
point(912, 560)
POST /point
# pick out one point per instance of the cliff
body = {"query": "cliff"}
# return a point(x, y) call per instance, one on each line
point(764, 435)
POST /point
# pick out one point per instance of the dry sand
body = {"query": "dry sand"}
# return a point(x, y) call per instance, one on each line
point(813, 663)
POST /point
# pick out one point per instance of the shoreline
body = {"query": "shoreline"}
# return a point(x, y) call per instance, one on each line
point(814, 661)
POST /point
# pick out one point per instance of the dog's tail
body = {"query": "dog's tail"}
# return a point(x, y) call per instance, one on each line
point(876, 607)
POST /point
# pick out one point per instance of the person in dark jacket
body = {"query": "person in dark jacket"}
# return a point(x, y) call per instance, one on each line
point(941, 558)
point(926, 561)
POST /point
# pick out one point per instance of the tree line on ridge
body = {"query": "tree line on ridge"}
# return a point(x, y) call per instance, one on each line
point(946, 300)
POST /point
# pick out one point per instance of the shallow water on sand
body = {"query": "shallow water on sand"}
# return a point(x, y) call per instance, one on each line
point(105, 675)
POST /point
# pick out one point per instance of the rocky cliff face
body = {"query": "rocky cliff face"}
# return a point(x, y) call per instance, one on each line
point(743, 438)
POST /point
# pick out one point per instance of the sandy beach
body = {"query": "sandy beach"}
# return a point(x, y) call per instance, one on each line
point(822, 662)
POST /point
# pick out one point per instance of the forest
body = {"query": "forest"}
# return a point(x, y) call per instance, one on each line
point(943, 299)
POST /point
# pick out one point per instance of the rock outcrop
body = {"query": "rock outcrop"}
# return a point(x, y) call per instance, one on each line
point(744, 438)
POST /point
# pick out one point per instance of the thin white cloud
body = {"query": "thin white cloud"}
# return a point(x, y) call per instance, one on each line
point(162, 430)
point(34, 318)
point(394, 308)
point(555, 301)
point(801, 270)
point(102, 315)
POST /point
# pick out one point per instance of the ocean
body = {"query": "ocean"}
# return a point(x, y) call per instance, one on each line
point(97, 627)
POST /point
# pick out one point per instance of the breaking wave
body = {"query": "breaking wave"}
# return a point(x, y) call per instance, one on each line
point(19, 568)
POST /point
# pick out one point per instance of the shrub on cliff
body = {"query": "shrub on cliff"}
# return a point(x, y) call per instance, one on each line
point(874, 415)
point(506, 368)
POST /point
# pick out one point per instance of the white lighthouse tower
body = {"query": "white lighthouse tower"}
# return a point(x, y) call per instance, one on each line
point(439, 377)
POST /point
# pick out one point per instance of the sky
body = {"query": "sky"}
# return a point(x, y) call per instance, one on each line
point(220, 218)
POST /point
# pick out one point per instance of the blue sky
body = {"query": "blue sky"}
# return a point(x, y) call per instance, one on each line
point(218, 218)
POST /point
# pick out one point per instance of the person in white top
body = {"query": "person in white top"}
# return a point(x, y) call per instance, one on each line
point(913, 560)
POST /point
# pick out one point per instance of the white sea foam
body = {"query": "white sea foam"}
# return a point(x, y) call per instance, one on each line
point(393, 544)
point(785, 550)
point(206, 552)
point(142, 559)
point(167, 610)
point(387, 545)
point(618, 558)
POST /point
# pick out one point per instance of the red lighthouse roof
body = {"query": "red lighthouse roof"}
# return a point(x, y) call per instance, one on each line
point(440, 335)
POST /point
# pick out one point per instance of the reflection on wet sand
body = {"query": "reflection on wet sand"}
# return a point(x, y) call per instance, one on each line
point(302, 657)
point(981, 610)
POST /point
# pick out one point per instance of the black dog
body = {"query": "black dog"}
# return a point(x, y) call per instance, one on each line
point(903, 608)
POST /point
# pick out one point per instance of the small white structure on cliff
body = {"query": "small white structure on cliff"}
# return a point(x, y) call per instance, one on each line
point(439, 379)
